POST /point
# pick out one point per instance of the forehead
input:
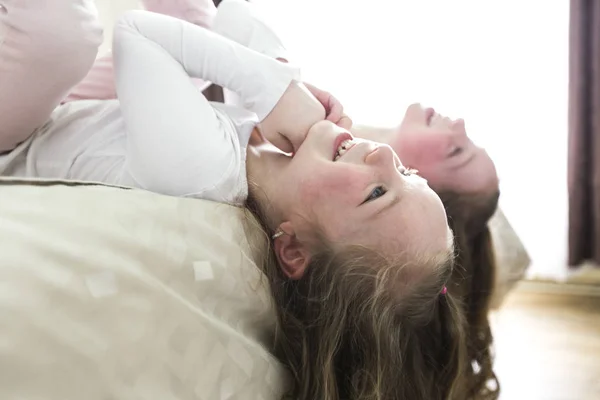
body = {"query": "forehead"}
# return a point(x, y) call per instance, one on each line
point(412, 247)
point(410, 228)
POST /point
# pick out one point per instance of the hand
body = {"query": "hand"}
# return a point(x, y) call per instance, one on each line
point(288, 123)
point(290, 141)
point(334, 110)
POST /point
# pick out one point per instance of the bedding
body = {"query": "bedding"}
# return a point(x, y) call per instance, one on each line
point(511, 256)
point(110, 293)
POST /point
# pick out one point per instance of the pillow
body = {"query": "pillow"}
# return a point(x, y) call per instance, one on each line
point(110, 293)
point(511, 257)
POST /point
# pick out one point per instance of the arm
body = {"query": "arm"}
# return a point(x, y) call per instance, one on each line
point(176, 143)
point(243, 23)
point(99, 83)
point(259, 80)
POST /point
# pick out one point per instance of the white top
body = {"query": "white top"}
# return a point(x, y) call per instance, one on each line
point(161, 134)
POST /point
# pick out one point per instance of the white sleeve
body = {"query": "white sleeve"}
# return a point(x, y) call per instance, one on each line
point(244, 23)
point(176, 143)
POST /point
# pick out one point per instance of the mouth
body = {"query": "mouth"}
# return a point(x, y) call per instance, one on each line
point(341, 145)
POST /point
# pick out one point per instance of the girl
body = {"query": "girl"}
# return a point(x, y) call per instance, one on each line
point(464, 176)
point(358, 249)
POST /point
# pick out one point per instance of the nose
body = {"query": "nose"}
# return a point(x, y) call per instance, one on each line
point(459, 124)
point(458, 134)
point(458, 128)
point(382, 156)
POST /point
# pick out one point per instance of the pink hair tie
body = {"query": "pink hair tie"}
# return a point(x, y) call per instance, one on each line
point(444, 290)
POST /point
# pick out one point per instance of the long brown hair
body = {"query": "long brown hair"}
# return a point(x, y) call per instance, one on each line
point(361, 326)
point(472, 284)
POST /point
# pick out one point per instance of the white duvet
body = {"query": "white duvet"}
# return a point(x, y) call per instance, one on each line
point(107, 293)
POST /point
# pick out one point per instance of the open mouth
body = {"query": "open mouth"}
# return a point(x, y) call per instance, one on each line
point(342, 144)
point(343, 148)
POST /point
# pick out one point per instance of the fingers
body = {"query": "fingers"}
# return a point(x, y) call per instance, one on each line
point(335, 113)
point(334, 109)
point(345, 122)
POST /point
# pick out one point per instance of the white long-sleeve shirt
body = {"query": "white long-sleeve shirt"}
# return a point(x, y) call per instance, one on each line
point(161, 134)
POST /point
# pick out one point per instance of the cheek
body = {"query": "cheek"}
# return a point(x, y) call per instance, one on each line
point(430, 218)
point(329, 199)
point(480, 175)
point(423, 151)
point(331, 188)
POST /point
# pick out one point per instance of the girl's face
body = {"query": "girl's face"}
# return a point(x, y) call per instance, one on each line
point(355, 191)
point(441, 151)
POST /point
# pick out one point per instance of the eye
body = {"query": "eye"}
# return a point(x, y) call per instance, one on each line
point(376, 193)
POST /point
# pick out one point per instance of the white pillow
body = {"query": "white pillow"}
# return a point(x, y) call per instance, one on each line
point(512, 259)
point(109, 293)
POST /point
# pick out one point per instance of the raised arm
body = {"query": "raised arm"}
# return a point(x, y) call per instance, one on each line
point(244, 23)
point(198, 52)
point(177, 144)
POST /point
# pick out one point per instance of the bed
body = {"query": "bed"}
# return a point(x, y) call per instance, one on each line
point(113, 293)
point(109, 293)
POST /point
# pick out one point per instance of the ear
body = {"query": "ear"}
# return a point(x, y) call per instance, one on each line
point(293, 255)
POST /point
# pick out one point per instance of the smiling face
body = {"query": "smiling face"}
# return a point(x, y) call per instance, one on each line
point(363, 197)
point(443, 153)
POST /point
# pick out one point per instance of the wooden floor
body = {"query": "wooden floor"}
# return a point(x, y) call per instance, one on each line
point(548, 346)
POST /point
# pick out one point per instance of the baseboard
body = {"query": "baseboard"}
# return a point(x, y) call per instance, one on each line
point(568, 288)
point(587, 274)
